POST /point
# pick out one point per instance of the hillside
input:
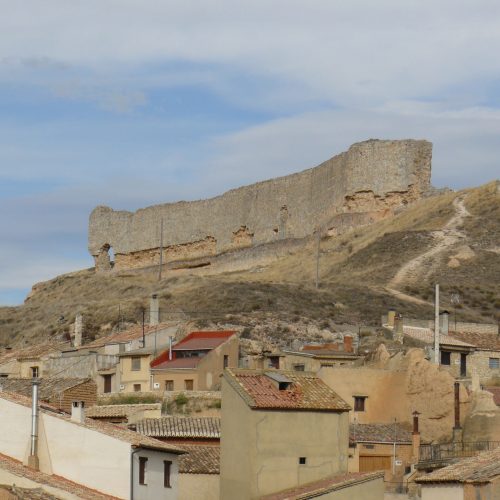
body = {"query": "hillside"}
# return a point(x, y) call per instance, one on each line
point(453, 238)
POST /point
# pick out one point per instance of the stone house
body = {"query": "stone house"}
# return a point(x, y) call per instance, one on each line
point(296, 431)
point(485, 360)
point(475, 478)
point(196, 362)
point(387, 447)
point(107, 458)
point(58, 392)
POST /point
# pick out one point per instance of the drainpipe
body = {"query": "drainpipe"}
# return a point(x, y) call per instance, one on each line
point(33, 460)
point(136, 450)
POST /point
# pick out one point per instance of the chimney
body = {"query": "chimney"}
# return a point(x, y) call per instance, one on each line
point(78, 411)
point(33, 461)
point(77, 340)
point(154, 310)
point(390, 317)
point(457, 429)
point(347, 343)
point(398, 328)
point(415, 438)
point(170, 348)
point(445, 323)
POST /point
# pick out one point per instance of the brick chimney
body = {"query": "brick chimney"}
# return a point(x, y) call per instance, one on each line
point(77, 340)
point(348, 343)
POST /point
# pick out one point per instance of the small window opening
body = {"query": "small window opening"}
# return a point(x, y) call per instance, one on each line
point(302, 460)
point(226, 360)
point(359, 403)
point(167, 466)
point(34, 372)
point(142, 469)
point(445, 358)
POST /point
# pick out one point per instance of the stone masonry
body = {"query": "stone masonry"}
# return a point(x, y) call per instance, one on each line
point(368, 182)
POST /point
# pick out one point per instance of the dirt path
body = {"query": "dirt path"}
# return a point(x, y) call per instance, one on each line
point(420, 267)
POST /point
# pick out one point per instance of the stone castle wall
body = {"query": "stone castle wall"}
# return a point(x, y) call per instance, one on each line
point(362, 185)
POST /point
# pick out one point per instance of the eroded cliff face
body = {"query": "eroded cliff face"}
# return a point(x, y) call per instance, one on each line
point(368, 182)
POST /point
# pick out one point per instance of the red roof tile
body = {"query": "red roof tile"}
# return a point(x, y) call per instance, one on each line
point(178, 363)
point(202, 340)
point(305, 392)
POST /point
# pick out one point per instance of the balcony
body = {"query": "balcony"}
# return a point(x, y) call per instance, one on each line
point(440, 455)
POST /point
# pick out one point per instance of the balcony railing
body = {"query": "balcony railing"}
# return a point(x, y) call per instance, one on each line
point(430, 453)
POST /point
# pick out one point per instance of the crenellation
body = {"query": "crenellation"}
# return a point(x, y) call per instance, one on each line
point(372, 179)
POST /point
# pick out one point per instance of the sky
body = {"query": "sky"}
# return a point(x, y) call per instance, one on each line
point(128, 103)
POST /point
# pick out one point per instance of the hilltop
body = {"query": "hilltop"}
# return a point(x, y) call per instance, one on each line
point(451, 238)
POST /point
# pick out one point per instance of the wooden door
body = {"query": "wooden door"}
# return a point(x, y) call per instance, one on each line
point(371, 463)
point(107, 383)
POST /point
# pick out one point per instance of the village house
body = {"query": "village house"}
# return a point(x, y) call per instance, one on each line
point(107, 458)
point(475, 478)
point(124, 414)
point(296, 431)
point(58, 392)
point(196, 362)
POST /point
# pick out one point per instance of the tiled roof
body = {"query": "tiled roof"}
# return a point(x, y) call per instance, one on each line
point(324, 486)
point(427, 335)
point(306, 391)
point(379, 433)
point(18, 469)
point(496, 393)
point(49, 387)
point(483, 341)
point(479, 469)
point(178, 363)
point(131, 334)
point(120, 433)
point(31, 352)
point(203, 340)
point(103, 411)
point(200, 459)
point(180, 427)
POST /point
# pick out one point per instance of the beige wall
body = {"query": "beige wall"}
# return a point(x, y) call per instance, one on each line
point(199, 486)
point(478, 362)
point(25, 367)
point(129, 377)
point(265, 457)
point(179, 378)
point(442, 492)
point(368, 490)
point(311, 364)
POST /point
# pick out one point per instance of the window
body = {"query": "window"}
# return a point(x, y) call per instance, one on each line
point(188, 385)
point(302, 460)
point(34, 371)
point(136, 364)
point(137, 387)
point(169, 385)
point(226, 360)
point(167, 465)
point(359, 403)
point(494, 363)
point(445, 358)
point(143, 461)
point(299, 368)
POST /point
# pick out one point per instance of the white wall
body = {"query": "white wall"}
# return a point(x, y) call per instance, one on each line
point(154, 489)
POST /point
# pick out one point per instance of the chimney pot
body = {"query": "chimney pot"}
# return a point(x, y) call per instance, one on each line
point(78, 411)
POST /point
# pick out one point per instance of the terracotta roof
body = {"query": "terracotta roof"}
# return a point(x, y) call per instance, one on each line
point(180, 427)
point(104, 411)
point(483, 341)
point(49, 387)
point(324, 486)
point(178, 363)
point(120, 433)
point(379, 433)
point(18, 469)
point(203, 340)
point(131, 334)
point(479, 469)
point(496, 393)
point(427, 335)
point(200, 459)
point(305, 392)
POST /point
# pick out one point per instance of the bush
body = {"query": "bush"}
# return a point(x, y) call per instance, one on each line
point(181, 399)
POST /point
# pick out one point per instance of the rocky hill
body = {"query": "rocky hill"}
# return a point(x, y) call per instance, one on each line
point(451, 238)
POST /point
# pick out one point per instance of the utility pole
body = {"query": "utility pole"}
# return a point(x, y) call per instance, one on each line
point(317, 259)
point(436, 326)
point(161, 249)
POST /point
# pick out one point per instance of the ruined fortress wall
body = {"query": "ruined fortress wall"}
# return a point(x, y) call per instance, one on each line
point(371, 178)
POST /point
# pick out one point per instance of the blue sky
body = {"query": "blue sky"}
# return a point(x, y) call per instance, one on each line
point(128, 103)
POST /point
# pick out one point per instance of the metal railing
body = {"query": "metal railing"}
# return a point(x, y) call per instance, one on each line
point(448, 451)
